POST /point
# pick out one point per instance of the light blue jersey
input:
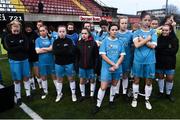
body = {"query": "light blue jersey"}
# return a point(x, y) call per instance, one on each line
point(144, 54)
point(144, 57)
point(74, 37)
point(45, 58)
point(112, 49)
point(94, 34)
point(54, 35)
point(126, 38)
point(102, 37)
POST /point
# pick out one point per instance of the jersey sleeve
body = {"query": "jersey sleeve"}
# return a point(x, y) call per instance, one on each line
point(97, 37)
point(102, 49)
point(52, 39)
point(135, 36)
point(154, 37)
point(37, 46)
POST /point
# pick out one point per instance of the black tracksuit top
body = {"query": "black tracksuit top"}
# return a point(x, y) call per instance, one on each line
point(17, 47)
point(64, 51)
point(166, 50)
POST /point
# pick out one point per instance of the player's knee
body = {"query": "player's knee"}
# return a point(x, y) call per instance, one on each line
point(17, 81)
point(148, 83)
point(103, 88)
point(169, 80)
point(136, 82)
point(92, 81)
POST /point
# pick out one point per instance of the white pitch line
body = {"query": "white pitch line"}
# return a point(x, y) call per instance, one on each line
point(27, 109)
point(3, 58)
point(30, 112)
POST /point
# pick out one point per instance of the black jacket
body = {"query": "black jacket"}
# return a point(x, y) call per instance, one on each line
point(17, 47)
point(33, 56)
point(166, 50)
point(64, 51)
point(87, 54)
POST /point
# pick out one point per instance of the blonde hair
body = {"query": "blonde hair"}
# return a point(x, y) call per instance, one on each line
point(15, 22)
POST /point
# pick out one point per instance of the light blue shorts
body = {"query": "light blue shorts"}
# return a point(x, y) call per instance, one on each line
point(106, 75)
point(144, 70)
point(62, 70)
point(45, 70)
point(19, 69)
point(167, 72)
point(126, 66)
point(86, 73)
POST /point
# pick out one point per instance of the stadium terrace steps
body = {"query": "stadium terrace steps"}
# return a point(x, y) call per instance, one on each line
point(63, 7)
point(18, 5)
point(92, 6)
point(82, 7)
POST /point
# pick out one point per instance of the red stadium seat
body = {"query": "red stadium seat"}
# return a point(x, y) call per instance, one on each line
point(65, 7)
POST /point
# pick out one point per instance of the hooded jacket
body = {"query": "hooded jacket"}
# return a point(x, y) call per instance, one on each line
point(166, 50)
point(87, 53)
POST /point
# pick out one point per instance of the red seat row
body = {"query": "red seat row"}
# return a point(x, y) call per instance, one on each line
point(64, 7)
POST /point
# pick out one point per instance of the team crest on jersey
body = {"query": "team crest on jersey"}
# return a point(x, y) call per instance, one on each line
point(65, 45)
point(11, 41)
point(113, 46)
point(20, 41)
point(45, 43)
point(170, 46)
point(110, 46)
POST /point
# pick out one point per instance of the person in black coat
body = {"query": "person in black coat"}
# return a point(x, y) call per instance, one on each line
point(87, 55)
point(64, 52)
point(17, 47)
point(40, 7)
point(31, 35)
point(166, 60)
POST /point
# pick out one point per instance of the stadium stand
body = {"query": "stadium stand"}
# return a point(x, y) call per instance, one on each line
point(63, 7)
point(92, 6)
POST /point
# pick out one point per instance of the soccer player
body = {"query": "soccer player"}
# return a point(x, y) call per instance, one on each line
point(145, 41)
point(154, 23)
point(17, 47)
point(166, 60)
point(87, 54)
point(88, 25)
point(33, 57)
point(72, 34)
point(101, 36)
point(170, 20)
point(126, 37)
point(38, 78)
point(94, 32)
point(43, 47)
point(52, 32)
point(112, 52)
point(64, 52)
point(103, 33)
